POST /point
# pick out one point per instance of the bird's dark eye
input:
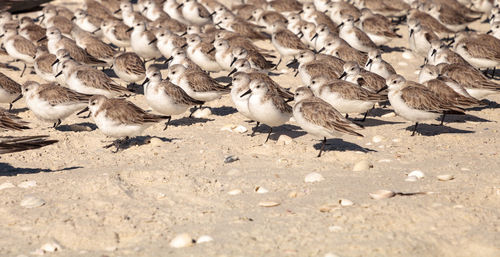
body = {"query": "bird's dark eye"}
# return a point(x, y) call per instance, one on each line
point(314, 82)
point(173, 72)
point(393, 82)
point(26, 90)
point(93, 103)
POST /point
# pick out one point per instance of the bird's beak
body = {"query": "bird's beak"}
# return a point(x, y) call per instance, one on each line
point(96, 30)
point(340, 25)
point(246, 93)
point(152, 41)
point(433, 52)
point(145, 81)
point(301, 11)
point(129, 29)
point(232, 62)
point(56, 61)
point(382, 89)
point(41, 39)
point(489, 31)
point(117, 11)
point(184, 45)
point(73, 18)
point(411, 32)
point(82, 111)
point(300, 34)
point(211, 50)
point(180, 6)
point(58, 74)
point(343, 75)
point(232, 72)
point(315, 36)
point(368, 62)
point(321, 50)
point(183, 34)
point(17, 98)
point(250, 18)
point(169, 59)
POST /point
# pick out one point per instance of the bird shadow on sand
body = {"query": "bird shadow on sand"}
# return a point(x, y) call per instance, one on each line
point(136, 88)
point(369, 122)
point(434, 130)
point(339, 145)
point(288, 130)
point(8, 170)
point(187, 121)
point(223, 111)
point(487, 105)
point(462, 118)
point(388, 49)
point(18, 110)
point(110, 72)
point(77, 127)
point(135, 141)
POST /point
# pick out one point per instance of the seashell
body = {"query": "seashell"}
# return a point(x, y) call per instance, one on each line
point(384, 160)
point(408, 55)
point(156, 142)
point(202, 113)
point(235, 192)
point(388, 115)
point(334, 228)
point(445, 177)
point(181, 240)
point(260, 190)
point(331, 255)
point(27, 184)
point(234, 128)
point(268, 204)
point(345, 202)
point(51, 247)
point(284, 140)
point(231, 158)
point(411, 179)
point(240, 129)
point(362, 166)
point(328, 207)
point(313, 177)
point(377, 139)
point(382, 194)
point(416, 173)
point(292, 194)
point(6, 185)
point(204, 239)
point(31, 201)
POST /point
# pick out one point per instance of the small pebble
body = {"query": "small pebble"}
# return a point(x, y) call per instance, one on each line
point(234, 128)
point(268, 204)
point(156, 142)
point(181, 240)
point(202, 113)
point(411, 179)
point(335, 228)
point(27, 184)
point(377, 139)
point(445, 177)
point(6, 185)
point(284, 140)
point(384, 160)
point(31, 201)
point(51, 247)
point(235, 192)
point(331, 255)
point(362, 165)
point(231, 158)
point(260, 190)
point(382, 194)
point(313, 177)
point(345, 202)
point(204, 239)
point(416, 173)
point(292, 194)
point(328, 207)
point(388, 115)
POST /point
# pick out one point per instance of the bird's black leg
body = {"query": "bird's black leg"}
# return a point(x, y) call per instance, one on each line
point(22, 73)
point(322, 147)
point(10, 107)
point(442, 120)
point(254, 129)
point(168, 122)
point(364, 118)
point(269, 134)
point(415, 129)
point(347, 115)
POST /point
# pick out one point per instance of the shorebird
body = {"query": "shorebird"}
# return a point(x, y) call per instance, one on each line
point(195, 13)
point(377, 27)
point(142, 41)
point(319, 118)
point(199, 52)
point(266, 106)
point(30, 30)
point(165, 97)
point(339, 48)
point(367, 80)
point(170, 7)
point(19, 47)
point(129, 67)
point(87, 22)
point(51, 102)
point(9, 121)
point(9, 90)
point(116, 32)
point(378, 66)
point(420, 37)
point(476, 84)
point(93, 46)
point(287, 43)
point(43, 64)
point(415, 102)
point(168, 41)
point(354, 36)
point(120, 118)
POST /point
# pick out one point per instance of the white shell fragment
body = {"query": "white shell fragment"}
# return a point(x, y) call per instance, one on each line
point(204, 239)
point(388, 115)
point(445, 177)
point(156, 142)
point(235, 192)
point(6, 185)
point(382, 194)
point(181, 240)
point(260, 190)
point(27, 184)
point(377, 139)
point(416, 173)
point(408, 55)
point(268, 204)
point(334, 228)
point(202, 113)
point(313, 177)
point(345, 202)
point(361, 166)
point(234, 128)
point(411, 179)
point(31, 201)
point(284, 140)
point(51, 247)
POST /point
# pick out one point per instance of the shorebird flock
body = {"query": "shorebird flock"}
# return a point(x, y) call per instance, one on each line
point(334, 48)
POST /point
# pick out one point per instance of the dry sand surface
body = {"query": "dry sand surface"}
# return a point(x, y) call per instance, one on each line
point(133, 203)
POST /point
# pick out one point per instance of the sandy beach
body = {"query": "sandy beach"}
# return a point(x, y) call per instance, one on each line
point(134, 202)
